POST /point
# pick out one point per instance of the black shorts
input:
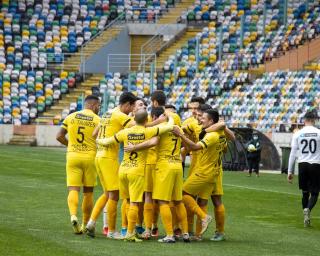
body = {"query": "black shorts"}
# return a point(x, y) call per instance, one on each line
point(309, 177)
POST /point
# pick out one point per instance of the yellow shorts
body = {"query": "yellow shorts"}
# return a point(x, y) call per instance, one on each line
point(197, 186)
point(131, 186)
point(149, 176)
point(108, 171)
point(81, 172)
point(217, 186)
point(167, 184)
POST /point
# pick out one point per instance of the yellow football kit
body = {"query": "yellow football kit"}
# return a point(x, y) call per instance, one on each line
point(107, 156)
point(201, 182)
point(168, 178)
point(132, 168)
point(193, 129)
point(81, 149)
point(150, 166)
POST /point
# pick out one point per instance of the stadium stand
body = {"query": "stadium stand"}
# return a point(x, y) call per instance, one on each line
point(35, 33)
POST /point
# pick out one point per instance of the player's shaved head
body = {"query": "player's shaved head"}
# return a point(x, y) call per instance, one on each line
point(141, 116)
point(92, 102)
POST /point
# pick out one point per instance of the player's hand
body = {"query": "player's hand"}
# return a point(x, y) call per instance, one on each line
point(290, 178)
point(129, 148)
point(176, 131)
point(162, 118)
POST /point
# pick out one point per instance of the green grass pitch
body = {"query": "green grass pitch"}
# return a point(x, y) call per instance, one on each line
point(264, 215)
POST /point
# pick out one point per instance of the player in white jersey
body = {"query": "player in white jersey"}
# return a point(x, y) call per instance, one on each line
point(305, 146)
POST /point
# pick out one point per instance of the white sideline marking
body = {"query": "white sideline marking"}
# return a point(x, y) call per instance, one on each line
point(265, 190)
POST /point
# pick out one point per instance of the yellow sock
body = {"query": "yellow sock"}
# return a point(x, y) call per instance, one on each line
point(192, 205)
point(166, 217)
point(219, 213)
point(198, 223)
point(190, 216)
point(175, 223)
point(98, 207)
point(182, 217)
point(148, 213)
point(124, 220)
point(73, 201)
point(140, 215)
point(155, 214)
point(87, 205)
point(132, 218)
point(112, 214)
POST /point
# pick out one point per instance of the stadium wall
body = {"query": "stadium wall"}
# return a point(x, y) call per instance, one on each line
point(295, 58)
point(98, 63)
point(6, 133)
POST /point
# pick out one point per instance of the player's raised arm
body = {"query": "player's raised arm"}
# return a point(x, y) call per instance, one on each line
point(61, 136)
point(222, 126)
point(191, 145)
point(96, 131)
point(141, 146)
point(117, 138)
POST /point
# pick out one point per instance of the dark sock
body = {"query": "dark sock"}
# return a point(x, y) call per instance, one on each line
point(313, 200)
point(305, 199)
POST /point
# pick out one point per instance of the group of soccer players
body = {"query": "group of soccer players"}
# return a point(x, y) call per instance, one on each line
point(150, 177)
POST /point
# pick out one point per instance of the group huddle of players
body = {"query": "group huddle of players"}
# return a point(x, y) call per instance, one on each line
point(150, 177)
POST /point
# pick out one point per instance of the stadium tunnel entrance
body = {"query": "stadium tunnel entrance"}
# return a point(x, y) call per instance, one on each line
point(236, 157)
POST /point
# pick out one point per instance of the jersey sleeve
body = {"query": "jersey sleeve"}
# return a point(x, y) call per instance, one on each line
point(152, 131)
point(120, 136)
point(293, 154)
point(122, 118)
point(208, 140)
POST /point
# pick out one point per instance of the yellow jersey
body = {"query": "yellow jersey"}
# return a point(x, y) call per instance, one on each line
point(169, 148)
point(188, 121)
point(80, 126)
point(193, 130)
point(111, 123)
point(153, 152)
point(134, 162)
point(210, 157)
point(175, 116)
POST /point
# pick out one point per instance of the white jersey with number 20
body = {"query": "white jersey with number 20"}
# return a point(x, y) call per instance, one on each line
point(305, 146)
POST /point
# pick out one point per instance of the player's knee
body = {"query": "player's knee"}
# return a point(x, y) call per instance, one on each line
point(114, 195)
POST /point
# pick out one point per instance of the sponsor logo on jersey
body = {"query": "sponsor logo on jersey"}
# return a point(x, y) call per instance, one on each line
point(136, 136)
point(84, 117)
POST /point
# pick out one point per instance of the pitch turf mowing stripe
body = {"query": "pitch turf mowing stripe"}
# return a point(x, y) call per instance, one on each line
point(259, 189)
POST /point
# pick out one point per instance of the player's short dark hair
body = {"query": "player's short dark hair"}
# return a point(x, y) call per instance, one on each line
point(213, 115)
point(311, 115)
point(91, 97)
point(127, 97)
point(170, 106)
point(141, 116)
point(204, 107)
point(157, 111)
point(143, 100)
point(200, 100)
point(159, 96)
